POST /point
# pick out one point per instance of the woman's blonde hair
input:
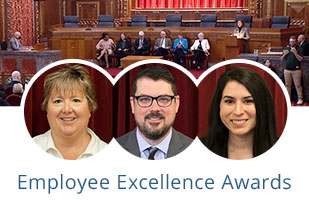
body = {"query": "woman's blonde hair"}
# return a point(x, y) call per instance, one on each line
point(66, 79)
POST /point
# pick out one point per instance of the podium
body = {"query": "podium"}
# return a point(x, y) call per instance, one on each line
point(128, 60)
point(233, 47)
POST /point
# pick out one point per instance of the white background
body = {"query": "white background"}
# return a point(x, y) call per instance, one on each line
point(20, 155)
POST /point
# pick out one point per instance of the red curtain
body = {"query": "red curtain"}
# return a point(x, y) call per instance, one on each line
point(113, 117)
point(186, 119)
point(100, 121)
point(191, 3)
point(207, 88)
point(20, 17)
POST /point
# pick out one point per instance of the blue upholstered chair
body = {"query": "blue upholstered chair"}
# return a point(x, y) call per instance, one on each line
point(208, 21)
point(173, 20)
point(247, 19)
point(106, 21)
point(139, 20)
point(70, 21)
point(280, 22)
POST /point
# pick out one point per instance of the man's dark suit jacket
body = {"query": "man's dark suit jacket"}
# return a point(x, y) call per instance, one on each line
point(305, 46)
point(146, 46)
point(13, 82)
point(12, 45)
point(178, 143)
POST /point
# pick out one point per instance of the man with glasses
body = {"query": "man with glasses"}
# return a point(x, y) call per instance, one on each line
point(292, 57)
point(154, 103)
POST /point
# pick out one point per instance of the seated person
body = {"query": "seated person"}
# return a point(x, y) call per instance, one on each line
point(180, 47)
point(16, 78)
point(162, 45)
point(141, 45)
point(18, 89)
point(200, 48)
point(123, 47)
point(3, 102)
point(15, 44)
point(105, 47)
point(268, 64)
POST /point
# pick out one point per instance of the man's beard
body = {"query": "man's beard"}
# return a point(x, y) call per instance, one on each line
point(157, 134)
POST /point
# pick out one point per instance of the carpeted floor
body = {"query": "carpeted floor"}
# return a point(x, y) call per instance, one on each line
point(304, 104)
point(114, 71)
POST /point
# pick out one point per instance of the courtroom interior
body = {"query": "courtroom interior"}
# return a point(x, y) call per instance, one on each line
point(196, 34)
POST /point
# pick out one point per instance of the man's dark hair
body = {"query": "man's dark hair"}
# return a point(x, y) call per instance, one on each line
point(155, 73)
point(293, 37)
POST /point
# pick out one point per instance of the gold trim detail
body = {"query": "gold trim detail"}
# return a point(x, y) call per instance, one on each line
point(79, 3)
point(3, 20)
point(296, 1)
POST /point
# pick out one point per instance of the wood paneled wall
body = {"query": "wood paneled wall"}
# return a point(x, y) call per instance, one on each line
point(80, 43)
point(52, 12)
point(299, 11)
point(71, 8)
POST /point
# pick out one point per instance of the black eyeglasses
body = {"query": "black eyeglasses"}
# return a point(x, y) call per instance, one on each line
point(145, 101)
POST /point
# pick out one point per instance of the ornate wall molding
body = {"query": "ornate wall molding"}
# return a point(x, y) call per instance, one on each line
point(3, 28)
point(268, 9)
point(256, 8)
point(20, 17)
point(37, 21)
point(296, 1)
point(64, 7)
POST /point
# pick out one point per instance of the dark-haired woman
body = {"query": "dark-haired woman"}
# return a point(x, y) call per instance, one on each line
point(242, 32)
point(242, 122)
point(268, 64)
point(105, 47)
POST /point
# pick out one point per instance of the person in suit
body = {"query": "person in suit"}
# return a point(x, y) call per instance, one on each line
point(242, 32)
point(242, 121)
point(303, 44)
point(16, 78)
point(154, 103)
point(180, 47)
point(15, 44)
point(162, 45)
point(123, 47)
point(141, 45)
point(3, 102)
point(18, 89)
point(200, 48)
point(1, 88)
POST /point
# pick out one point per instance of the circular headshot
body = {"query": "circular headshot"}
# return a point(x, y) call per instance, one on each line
point(245, 111)
point(158, 117)
point(68, 111)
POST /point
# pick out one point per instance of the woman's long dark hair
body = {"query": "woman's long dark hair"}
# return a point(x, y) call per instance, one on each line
point(265, 130)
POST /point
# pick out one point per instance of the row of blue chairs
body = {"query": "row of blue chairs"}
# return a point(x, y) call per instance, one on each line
point(176, 21)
